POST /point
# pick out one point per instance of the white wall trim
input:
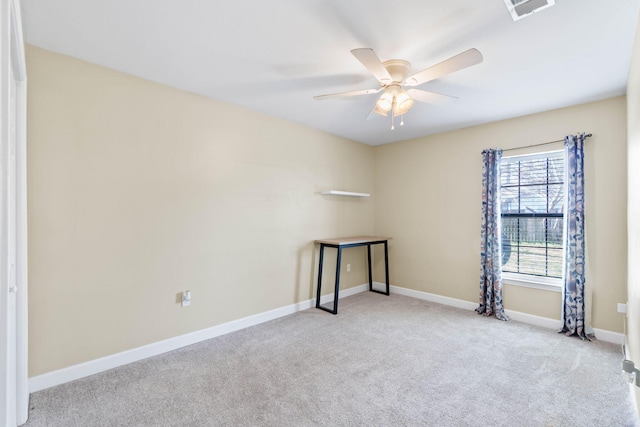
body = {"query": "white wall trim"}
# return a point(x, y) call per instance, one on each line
point(14, 396)
point(526, 281)
point(609, 336)
point(545, 322)
point(453, 302)
point(71, 373)
point(81, 370)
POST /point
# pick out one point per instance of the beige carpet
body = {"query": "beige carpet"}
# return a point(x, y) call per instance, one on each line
point(385, 361)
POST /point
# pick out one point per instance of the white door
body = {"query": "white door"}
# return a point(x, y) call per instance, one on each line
point(13, 356)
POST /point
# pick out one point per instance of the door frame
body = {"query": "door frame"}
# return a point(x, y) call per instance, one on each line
point(14, 385)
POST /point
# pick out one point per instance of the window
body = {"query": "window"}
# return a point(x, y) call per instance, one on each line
point(532, 193)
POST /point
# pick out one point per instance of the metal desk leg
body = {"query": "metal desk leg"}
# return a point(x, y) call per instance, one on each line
point(369, 264)
point(320, 264)
point(386, 267)
point(386, 264)
point(337, 290)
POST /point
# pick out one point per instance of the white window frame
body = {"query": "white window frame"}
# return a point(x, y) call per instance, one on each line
point(554, 284)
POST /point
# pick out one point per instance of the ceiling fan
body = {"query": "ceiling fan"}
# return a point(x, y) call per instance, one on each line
point(392, 76)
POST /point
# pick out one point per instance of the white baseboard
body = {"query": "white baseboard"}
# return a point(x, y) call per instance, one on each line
point(601, 334)
point(453, 302)
point(81, 370)
point(609, 336)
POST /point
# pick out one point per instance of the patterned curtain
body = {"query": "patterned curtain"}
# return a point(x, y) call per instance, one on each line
point(490, 253)
point(573, 308)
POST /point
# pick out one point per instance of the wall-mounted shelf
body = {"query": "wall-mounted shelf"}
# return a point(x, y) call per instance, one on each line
point(343, 193)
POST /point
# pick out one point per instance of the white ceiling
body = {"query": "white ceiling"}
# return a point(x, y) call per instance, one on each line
point(274, 56)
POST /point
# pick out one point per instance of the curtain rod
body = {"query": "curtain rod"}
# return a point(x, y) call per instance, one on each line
point(542, 143)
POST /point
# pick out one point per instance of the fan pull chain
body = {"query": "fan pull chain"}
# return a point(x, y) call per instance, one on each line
point(401, 121)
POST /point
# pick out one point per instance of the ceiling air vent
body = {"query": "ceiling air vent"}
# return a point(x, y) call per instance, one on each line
point(522, 8)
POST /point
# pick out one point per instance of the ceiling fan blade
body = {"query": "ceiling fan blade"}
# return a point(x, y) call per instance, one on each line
point(371, 62)
point(430, 97)
point(455, 63)
point(347, 94)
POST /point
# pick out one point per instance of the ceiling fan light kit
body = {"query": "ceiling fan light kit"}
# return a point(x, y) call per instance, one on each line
point(392, 77)
point(403, 103)
point(394, 98)
point(385, 102)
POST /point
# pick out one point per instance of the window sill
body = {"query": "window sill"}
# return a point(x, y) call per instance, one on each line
point(544, 283)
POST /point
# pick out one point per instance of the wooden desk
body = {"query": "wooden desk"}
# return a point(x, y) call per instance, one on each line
point(350, 242)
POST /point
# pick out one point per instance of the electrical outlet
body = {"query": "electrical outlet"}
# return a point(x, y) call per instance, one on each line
point(622, 308)
point(186, 298)
point(348, 268)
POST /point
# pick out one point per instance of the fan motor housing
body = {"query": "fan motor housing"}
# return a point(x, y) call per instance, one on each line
point(397, 68)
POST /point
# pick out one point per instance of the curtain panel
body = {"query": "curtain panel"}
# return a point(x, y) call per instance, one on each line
point(573, 307)
point(490, 250)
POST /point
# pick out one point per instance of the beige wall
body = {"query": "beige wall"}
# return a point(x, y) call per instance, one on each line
point(428, 194)
point(633, 109)
point(138, 191)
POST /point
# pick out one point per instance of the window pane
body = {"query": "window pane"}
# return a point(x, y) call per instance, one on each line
point(536, 171)
point(533, 186)
point(509, 200)
point(532, 246)
point(532, 199)
point(536, 261)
